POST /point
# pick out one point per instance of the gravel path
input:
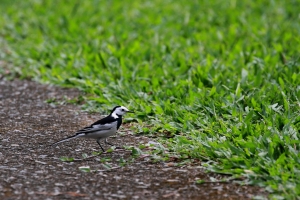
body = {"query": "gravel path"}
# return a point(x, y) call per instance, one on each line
point(29, 169)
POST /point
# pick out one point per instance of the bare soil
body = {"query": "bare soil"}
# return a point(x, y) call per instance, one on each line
point(30, 169)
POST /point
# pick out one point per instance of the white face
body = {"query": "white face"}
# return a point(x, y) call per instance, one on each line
point(120, 111)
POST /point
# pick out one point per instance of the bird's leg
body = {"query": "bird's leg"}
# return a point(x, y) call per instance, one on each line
point(98, 141)
point(108, 142)
point(111, 144)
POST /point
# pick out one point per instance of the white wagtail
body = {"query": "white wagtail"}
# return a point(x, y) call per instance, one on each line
point(102, 128)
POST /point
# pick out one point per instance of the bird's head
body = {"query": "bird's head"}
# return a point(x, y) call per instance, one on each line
point(120, 110)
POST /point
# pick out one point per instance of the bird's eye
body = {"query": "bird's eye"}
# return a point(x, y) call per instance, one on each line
point(123, 110)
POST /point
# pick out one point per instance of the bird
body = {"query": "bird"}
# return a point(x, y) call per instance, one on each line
point(101, 129)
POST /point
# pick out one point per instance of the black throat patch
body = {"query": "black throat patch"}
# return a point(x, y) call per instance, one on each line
point(119, 120)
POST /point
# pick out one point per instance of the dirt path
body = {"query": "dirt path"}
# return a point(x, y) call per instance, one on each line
point(31, 170)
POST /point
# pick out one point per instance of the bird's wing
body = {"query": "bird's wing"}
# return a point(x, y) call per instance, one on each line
point(102, 124)
point(93, 128)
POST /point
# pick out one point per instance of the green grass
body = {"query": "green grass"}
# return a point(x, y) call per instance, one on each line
point(222, 76)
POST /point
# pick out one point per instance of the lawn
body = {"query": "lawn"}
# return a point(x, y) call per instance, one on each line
point(221, 77)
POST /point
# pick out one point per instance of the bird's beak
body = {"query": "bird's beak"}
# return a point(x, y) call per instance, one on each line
point(130, 111)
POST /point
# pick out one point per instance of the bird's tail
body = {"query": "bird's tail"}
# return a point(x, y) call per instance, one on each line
point(66, 139)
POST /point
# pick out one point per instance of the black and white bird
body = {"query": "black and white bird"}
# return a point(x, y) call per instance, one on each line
point(101, 129)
